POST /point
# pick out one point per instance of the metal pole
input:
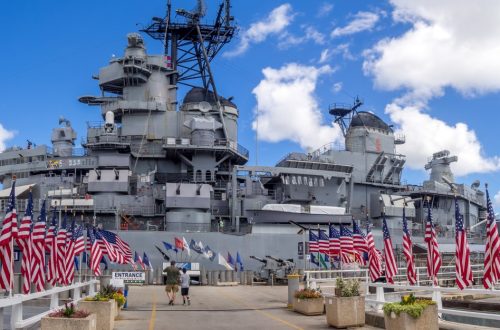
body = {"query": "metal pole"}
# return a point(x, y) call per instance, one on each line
point(304, 247)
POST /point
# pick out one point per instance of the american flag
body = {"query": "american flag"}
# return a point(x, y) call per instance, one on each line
point(24, 243)
point(79, 241)
point(323, 242)
point(491, 254)
point(313, 242)
point(374, 257)
point(38, 249)
point(51, 246)
point(121, 247)
point(391, 268)
point(61, 251)
point(411, 273)
point(346, 245)
point(9, 231)
point(95, 252)
point(69, 267)
point(462, 253)
point(433, 256)
point(108, 249)
point(334, 241)
point(359, 238)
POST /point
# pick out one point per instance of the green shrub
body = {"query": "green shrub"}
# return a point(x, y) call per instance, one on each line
point(410, 305)
point(347, 288)
point(119, 298)
point(69, 311)
point(98, 297)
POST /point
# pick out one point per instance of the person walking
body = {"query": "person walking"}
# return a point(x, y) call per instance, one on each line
point(173, 277)
point(185, 287)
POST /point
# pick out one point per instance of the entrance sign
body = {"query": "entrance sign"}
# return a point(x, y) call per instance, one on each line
point(130, 277)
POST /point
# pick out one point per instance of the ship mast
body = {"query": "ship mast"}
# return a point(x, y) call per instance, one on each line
point(191, 46)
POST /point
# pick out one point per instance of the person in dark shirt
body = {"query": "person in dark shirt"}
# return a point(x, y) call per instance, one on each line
point(173, 277)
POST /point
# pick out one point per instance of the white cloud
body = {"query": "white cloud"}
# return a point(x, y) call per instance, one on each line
point(325, 56)
point(310, 33)
point(496, 202)
point(325, 9)
point(4, 136)
point(275, 23)
point(451, 43)
point(362, 21)
point(337, 87)
point(287, 108)
point(344, 50)
point(426, 135)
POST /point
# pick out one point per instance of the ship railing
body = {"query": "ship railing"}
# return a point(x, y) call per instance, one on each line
point(75, 152)
point(100, 124)
point(335, 146)
point(142, 210)
point(326, 280)
point(17, 301)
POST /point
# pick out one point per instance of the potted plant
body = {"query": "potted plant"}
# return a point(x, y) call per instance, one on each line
point(120, 299)
point(347, 307)
point(103, 307)
point(411, 313)
point(69, 318)
point(308, 302)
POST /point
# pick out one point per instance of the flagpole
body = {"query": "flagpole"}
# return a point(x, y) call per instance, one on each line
point(319, 261)
point(11, 284)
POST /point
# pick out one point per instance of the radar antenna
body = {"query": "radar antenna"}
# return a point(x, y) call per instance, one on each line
point(191, 46)
point(344, 113)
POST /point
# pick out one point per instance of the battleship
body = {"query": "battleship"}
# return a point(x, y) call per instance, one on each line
point(155, 168)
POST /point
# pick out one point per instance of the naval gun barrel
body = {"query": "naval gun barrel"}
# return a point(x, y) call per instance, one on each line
point(264, 261)
point(276, 259)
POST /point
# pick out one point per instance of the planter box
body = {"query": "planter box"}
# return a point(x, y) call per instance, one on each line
point(117, 309)
point(309, 306)
point(342, 312)
point(104, 310)
point(428, 320)
point(61, 323)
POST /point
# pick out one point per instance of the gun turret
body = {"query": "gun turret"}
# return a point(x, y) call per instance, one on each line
point(264, 261)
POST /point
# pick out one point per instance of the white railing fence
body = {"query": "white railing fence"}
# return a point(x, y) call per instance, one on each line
point(325, 280)
point(17, 300)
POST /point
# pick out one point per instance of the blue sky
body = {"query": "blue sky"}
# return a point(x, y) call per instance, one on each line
point(431, 69)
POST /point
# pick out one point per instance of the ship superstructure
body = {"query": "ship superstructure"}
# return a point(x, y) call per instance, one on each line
point(152, 164)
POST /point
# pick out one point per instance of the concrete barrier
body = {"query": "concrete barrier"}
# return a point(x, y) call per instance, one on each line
point(203, 276)
point(210, 275)
point(293, 286)
point(215, 277)
point(249, 277)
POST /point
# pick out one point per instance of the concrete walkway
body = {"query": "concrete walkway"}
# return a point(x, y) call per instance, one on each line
point(239, 307)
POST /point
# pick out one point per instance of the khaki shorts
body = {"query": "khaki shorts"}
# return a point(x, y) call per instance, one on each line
point(172, 287)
